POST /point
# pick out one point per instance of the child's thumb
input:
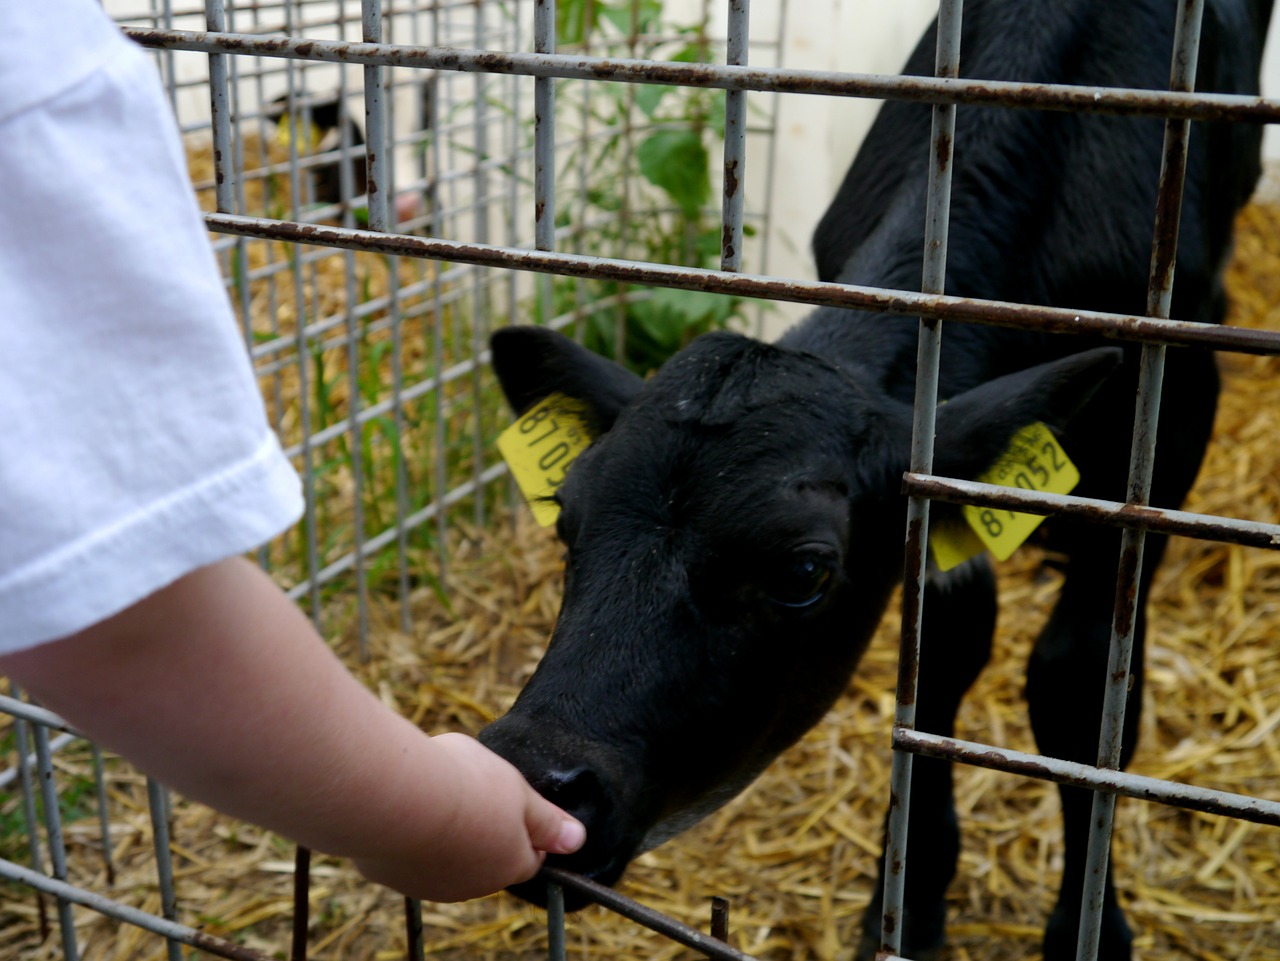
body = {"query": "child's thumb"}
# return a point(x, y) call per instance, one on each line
point(550, 829)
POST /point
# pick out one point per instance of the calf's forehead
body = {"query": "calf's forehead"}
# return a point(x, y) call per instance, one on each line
point(780, 465)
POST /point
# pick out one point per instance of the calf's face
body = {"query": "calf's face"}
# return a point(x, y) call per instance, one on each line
point(732, 537)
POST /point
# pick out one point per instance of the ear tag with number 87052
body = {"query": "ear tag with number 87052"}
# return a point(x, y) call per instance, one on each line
point(1034, 460)
point(540, 446)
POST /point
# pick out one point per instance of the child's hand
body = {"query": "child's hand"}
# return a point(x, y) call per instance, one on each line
point(498, 833)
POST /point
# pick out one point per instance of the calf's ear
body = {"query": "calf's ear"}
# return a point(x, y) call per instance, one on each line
point(974, 428)
point(533, 362)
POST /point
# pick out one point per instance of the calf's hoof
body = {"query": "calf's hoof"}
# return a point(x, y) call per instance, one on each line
point(923, 934)
point(1115, 941)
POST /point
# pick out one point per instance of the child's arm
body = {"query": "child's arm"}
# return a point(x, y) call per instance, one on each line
point(220, 688)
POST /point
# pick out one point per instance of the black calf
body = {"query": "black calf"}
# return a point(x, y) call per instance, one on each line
point(735, 531)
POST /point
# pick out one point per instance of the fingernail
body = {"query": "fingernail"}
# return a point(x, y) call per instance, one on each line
point(571, 837)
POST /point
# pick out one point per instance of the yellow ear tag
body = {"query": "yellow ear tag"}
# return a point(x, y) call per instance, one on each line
point(540, 446)
point(1034, 460)
point(284, 134)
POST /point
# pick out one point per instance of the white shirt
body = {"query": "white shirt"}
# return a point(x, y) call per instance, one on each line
point(133, 443)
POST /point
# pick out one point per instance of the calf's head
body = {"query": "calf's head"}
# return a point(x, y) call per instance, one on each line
point(733, 536)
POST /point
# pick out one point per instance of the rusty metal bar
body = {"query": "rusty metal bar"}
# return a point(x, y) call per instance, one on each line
point(27, 761)
point(53, 831)
point(720, 919)
point(353, 337)
point(928, 354)
point(220, 113)
point(1163, 520)
point(480, 307)
point(1108, 100)
point(735, 142)
point(158, 804)
point(544, 130)
point(544, 144)
point(36, 715)
point(1139, 786)
point(310, 524)
point(555, 923)
point(301, 903)
point(104, 820)
point(653, 920)
point(377, 179)
point(415, 949)
point(435, 340)
point(70, 894)
point(770, 166)
point(818, 293)
point(1142, 453)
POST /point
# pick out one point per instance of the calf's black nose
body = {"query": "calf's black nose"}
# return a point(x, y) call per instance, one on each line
point(579, 791)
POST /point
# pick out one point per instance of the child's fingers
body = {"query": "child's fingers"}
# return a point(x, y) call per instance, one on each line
point(550, 829)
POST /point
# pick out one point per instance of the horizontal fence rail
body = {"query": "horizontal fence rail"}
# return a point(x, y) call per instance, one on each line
point(122, 912)
point(654, 920)
point(996, 313)
point(1227, 530)
point(1110, 780)
point(1108, 100)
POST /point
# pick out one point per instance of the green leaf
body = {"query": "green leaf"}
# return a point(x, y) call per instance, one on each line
point(571, 21)
point(649, 95)
point(619, 14)
point(676, 161)
point(695, 307)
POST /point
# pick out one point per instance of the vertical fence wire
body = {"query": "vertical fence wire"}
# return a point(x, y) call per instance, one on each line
point(1141, 464)
point(555, 922)
point(436, 344)
point(415, 947)
point(583, 164)
point(937, 220)
point(770, 164)
point(544, 144)
point(735, 141)
point(104, 817)
point(53, 832)
point(301, 903)
point(158, 805)
point(21, 734)
point(301, 345)
point(355, 334)
point(481, 276)
point(396, 318)
point(624, 236)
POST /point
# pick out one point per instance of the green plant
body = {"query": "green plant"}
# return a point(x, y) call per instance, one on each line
point(667, 135)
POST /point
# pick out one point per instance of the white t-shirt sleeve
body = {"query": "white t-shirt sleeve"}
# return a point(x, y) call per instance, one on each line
point(135, 447)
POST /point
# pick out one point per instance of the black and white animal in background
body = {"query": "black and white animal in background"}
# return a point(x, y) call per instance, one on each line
point(736, 530)
point(324, 121)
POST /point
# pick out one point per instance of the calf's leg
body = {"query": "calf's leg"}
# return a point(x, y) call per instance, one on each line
point(955, 644)
point(1066, 676)
point(1065, 684)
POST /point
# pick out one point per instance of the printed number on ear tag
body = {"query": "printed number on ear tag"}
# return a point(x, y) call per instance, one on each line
point(540, 446)
point(1034, 460)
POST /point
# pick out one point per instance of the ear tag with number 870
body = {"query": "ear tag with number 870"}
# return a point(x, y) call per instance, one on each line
point(1035, 461)
point(540, 446)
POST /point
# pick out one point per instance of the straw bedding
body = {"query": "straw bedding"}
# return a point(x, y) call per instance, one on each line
point(796, 853)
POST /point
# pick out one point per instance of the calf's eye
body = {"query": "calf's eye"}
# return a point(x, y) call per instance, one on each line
point(800, 581)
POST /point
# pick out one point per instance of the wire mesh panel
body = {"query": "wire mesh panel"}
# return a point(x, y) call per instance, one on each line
point(387, 183)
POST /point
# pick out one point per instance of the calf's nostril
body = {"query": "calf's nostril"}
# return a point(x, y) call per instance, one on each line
point(579, 791)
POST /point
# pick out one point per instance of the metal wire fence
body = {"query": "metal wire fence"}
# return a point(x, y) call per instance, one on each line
point(391, 180)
